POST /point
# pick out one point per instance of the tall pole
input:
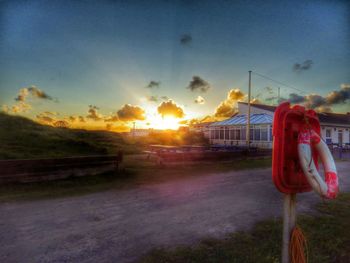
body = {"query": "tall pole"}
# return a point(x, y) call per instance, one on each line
point(278, 97)
point(248, 117)
point(133, 130)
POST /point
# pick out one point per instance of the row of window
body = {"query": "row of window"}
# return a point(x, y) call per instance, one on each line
point(257, 133)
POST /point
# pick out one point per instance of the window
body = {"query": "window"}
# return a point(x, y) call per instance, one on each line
point(251, 134)
point(222, 133)
point(227, 134)
point(232, 134)
point(328, 136)
point(237, 134)
point(264, 133)
point(217, 134)
point(243, 134)
point(212, 134)
point(257, 133)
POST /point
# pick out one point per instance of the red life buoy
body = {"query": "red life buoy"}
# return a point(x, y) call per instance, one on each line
point(308, 141)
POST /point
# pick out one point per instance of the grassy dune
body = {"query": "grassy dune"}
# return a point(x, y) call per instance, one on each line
point(23, 138)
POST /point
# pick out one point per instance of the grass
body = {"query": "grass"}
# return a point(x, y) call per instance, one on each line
point(21, 138)
point(136, 170)
point(328, 236)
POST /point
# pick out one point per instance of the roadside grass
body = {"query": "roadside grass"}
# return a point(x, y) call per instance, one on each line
point(327, 234)
point(136, 170)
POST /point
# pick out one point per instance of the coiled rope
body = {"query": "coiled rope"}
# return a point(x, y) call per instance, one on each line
point(298, 247)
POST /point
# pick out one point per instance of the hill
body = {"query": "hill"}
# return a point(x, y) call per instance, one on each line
point(22, 138)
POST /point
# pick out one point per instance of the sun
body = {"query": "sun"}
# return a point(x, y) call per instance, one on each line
point(163, 123)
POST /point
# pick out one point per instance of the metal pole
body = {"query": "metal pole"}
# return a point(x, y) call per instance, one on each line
point(289, 221)
point(248, 117)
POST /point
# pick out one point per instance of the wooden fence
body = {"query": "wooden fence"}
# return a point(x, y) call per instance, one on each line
point(57, 168)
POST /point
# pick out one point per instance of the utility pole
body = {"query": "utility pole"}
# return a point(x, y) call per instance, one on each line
point(133, 130)
point(278, 97)
point(248, 117)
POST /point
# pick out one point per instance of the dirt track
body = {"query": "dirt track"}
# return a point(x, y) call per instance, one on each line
point(119, 226)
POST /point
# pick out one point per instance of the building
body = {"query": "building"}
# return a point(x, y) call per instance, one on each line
point(335, 128)
point(201, 127)
point(140, 132)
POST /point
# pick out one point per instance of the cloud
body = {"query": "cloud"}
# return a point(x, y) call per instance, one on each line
point(93, 113)
point(185, 39)
point(235, 95)
point(21, 104)
point(199, 100)
point(45, 118)
point(152, 98)
point(323, 103)
point(33, 91)
point(295, 98)
point(81, 119)
point(198, 84)
point(255, 101)
point(20, 107)
point(226, 108)
point(164, 97)
point(340, 96)
point(153, 84)
point(112, 118)
point(169, 108)
point(306, 65)
point(131, 113)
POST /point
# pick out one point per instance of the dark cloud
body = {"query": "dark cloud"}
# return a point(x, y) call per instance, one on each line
point(306, 65)
point(339, 96)
point(34, 91)
point(93, 113)
point(295, 98)
point(152, 98)
point(199, 100)
point(185, 39)
point(164, 97)
point(131, 113)
point(153, 84)
point(169, 108)
point(198, 84)
point(81, 119)
point(323, 103)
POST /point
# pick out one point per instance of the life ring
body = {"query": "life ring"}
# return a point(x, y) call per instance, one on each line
point(309, 140)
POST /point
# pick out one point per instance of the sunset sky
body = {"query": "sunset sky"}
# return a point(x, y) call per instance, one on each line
point(90, 59)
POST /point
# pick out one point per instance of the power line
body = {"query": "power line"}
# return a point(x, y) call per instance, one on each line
point(279, 82)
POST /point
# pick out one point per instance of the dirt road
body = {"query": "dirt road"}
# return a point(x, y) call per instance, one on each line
point(119, 226)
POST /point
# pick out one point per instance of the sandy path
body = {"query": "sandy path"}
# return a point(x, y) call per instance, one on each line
point(119, 226)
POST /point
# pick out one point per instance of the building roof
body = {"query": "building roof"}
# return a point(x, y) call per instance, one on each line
point(202, 124)
point(324, 117)
point(242, 120)
point(334, 118)
point(261, 106)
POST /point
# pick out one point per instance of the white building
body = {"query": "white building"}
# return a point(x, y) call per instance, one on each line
point(335, 128)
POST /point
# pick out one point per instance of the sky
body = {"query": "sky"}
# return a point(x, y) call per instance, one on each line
point(111, 63)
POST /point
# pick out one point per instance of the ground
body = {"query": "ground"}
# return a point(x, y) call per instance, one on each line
point(122, 225)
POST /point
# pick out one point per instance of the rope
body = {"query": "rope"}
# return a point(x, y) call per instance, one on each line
point(298, 247)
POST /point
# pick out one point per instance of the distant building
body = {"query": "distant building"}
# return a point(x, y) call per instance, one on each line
point(140, 132)
point(335, 128)
point(202, 127)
